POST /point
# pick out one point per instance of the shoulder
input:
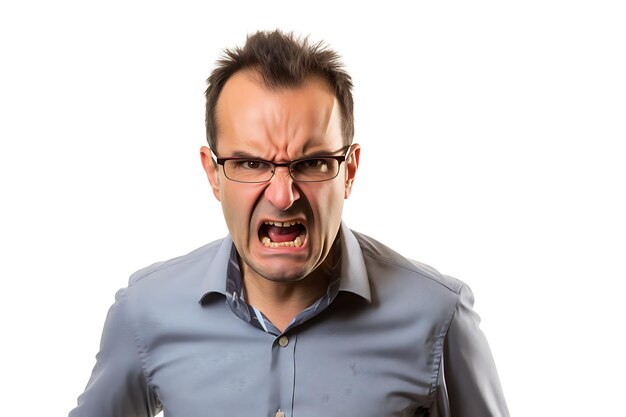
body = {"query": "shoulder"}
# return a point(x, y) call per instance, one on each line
point(177, 279)
point(176, 285)
point(197, 258)
point(387, 267)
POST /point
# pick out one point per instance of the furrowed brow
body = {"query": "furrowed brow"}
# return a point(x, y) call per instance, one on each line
point(244, 154)
point(323, 153)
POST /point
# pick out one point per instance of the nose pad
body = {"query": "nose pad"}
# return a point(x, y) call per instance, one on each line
point(281, 192)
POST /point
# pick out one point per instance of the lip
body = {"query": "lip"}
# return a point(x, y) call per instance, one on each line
point(282, 250)
point(294, 219)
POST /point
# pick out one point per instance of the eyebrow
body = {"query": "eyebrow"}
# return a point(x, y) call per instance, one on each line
point(244, 154)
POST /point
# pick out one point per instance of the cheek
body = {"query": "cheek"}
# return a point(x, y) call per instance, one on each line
point(238, 203)
point(327, 204)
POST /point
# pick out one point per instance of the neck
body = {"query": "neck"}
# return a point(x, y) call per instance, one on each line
point(281, 302)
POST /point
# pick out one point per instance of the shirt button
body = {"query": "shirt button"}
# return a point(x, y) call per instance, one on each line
point(283, 341)
point(279, 413)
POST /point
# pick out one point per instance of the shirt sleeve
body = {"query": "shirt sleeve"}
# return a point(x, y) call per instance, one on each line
point(471, 387)
point(118, 386)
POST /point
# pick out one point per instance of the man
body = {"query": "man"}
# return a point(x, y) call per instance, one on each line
point(292, 314)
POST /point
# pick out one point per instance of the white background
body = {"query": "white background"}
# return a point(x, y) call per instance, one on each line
point(493, 149)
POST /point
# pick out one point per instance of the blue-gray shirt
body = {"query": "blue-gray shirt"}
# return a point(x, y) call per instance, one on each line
point(391, 337)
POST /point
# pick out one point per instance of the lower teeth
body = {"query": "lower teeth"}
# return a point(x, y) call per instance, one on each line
point(296, 243)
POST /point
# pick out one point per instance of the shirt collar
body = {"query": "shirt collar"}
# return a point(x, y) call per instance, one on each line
point(353, 276)
point(214, 280)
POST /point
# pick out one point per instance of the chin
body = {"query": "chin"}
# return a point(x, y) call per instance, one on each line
point(288, 264)
point(281, 275)
point(280, 271)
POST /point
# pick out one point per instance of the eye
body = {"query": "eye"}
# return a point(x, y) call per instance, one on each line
point(313, 163)
point(252, 164)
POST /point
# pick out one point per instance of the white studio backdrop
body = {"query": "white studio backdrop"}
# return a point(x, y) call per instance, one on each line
point(493, 149)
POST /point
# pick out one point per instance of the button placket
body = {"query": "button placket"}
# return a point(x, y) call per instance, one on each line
point(282, 374)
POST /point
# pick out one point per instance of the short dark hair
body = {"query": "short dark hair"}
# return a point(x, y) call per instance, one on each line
point(282, 61)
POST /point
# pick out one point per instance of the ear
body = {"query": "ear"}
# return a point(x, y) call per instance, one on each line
point(211, 169)
point(352, 164)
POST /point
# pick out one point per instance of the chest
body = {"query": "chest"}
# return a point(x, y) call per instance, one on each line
point(333, 365)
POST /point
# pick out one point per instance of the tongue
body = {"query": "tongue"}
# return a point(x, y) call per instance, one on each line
point(283, 234)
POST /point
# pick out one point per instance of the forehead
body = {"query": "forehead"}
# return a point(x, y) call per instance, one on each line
point(252, 117)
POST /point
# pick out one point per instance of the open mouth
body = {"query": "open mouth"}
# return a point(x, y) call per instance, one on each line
point(282, 234)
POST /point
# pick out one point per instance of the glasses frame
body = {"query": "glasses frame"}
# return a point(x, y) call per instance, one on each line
point(339, 158)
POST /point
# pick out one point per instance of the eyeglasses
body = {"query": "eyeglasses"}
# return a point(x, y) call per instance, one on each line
point(309, 169)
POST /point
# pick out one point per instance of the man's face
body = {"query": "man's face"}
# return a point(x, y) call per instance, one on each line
point(280, 126)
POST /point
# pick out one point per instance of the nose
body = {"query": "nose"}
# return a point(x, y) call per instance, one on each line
point(280, 191)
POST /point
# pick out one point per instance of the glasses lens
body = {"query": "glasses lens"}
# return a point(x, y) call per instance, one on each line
point(250, 170)
point(315, 169)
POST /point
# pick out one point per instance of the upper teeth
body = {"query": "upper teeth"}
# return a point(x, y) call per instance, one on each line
point(284, 224)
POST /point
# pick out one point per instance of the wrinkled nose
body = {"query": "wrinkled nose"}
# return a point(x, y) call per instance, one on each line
point(281, 192)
